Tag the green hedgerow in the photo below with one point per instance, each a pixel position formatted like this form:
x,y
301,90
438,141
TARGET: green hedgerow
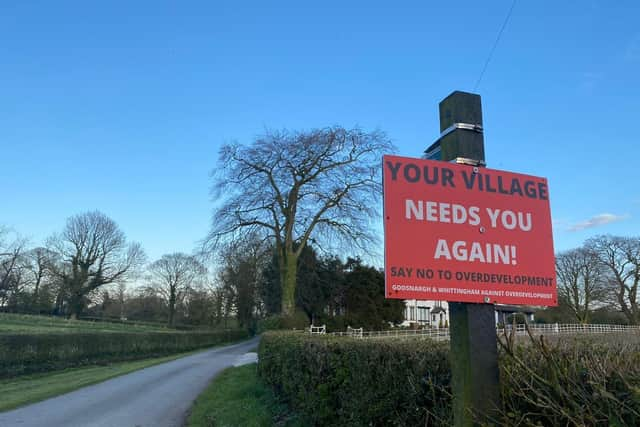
x,y
28,353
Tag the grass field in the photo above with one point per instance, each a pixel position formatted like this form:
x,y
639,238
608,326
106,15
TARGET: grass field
x,y
237,397
24,323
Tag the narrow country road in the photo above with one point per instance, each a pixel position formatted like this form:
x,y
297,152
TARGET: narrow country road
x,y
159,396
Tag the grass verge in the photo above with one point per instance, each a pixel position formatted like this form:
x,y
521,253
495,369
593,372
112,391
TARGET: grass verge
x,y
237,397
27,389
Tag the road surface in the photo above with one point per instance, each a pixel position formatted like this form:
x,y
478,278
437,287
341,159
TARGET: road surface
x,y
159,396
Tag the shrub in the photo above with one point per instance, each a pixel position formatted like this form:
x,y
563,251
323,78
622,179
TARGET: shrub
x,y
335,323
342,381
585,381
28,353
296,321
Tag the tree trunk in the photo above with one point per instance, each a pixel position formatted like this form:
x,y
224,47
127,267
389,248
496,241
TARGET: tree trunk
x,y
288,279
35,307
76,305
172,311
59,304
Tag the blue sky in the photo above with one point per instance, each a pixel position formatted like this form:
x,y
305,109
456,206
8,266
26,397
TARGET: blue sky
x,y
122,106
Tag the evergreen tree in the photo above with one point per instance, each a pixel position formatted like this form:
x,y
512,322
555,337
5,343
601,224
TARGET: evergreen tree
x,y
366,305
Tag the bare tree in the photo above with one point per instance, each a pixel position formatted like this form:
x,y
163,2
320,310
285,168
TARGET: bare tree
x,y
296,186
219,305
12,274
581,282
620,256
39,262
241,266
93,252
172,276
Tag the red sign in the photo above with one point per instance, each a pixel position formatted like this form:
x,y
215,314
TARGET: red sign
x,y
458,233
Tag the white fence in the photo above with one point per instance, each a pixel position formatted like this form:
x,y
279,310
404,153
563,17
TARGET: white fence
x,y
536,329
570,329
355,332
318,330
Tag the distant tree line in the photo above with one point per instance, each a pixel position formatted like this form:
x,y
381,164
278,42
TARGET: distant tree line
x,y
85,271
598,282
90,270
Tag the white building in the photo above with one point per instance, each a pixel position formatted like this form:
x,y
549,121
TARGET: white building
x,y
426,313
435,314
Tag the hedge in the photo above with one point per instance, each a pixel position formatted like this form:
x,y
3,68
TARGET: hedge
x,y
406,382
342,381
579,381
29,353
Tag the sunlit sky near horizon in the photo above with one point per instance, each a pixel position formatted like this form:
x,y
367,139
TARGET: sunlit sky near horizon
x,y
122,106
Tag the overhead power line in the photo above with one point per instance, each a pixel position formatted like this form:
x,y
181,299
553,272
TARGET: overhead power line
x,y
495,44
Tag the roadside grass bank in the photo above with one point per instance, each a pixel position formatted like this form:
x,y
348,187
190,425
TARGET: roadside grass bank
x,y
237,397
337,381
28,389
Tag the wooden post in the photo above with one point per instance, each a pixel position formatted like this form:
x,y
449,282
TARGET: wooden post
x,y
474,352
